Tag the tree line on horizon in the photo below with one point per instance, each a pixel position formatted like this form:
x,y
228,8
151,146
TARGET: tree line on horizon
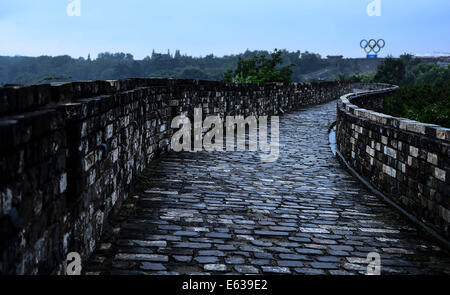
x,y
110,66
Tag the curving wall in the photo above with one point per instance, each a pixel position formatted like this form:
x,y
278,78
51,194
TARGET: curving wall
x,y
407,160
69,153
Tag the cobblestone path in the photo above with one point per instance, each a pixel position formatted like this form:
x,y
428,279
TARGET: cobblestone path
x,y
230,213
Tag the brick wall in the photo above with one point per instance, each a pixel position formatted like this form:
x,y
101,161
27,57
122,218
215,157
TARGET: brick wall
x,y
69,153
407,160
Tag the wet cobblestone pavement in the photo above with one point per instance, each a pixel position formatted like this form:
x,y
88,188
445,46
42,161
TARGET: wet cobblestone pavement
x,y
229,213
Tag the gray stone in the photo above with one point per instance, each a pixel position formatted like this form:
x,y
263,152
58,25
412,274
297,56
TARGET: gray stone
x,y
152,266
179,258
290,263
192,245
323,265
246,269
206,259
215,267
275,269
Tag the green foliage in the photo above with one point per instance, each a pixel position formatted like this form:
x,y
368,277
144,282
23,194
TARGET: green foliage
x,y
310,62
194,73
260,69
358,77
424,93
26,70
391,71
54,79
428,73
108,66
421,102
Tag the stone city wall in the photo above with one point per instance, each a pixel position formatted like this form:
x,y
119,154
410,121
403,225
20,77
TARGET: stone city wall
x,y
407,160
69,153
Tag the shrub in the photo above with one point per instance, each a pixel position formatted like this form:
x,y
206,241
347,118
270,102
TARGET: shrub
x,y
423,102
260,69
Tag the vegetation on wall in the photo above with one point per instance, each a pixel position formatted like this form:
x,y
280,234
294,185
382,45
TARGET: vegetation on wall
x,y
422,102
424,93
260,69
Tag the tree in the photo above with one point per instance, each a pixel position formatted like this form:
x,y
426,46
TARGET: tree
x,y
309,62
422,102
260,69
391,71
121,70
193,73
428,73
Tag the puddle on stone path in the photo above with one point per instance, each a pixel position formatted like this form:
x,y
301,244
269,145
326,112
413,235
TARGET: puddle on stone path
x,y
332,139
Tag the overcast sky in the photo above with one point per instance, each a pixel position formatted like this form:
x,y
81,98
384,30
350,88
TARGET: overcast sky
x,y
221,27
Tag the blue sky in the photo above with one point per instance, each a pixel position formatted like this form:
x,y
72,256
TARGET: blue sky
x,y
201,27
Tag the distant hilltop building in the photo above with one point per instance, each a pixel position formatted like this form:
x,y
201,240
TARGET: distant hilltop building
x,y
334,65
358,65
444,63
440,60
334,59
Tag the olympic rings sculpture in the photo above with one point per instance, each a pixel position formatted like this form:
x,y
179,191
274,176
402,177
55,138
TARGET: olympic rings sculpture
x,y
372,45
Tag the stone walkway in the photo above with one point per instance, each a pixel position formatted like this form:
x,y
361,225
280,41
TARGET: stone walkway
x,y
220,213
